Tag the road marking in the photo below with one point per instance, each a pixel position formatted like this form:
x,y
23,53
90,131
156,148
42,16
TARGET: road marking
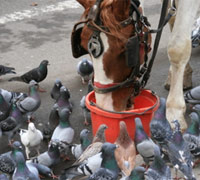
x,y
29,13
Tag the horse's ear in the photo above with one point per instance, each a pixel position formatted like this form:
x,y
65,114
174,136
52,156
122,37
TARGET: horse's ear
x,y
121,8
84,3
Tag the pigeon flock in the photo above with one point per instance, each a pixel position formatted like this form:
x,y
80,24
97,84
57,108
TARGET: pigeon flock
x,y
92,158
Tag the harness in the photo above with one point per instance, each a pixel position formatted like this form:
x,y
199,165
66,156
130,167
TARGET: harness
x,y
140,73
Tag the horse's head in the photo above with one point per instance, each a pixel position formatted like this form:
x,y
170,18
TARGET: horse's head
x,y
113,33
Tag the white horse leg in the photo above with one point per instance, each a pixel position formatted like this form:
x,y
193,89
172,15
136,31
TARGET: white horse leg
x,y
187,78
179,51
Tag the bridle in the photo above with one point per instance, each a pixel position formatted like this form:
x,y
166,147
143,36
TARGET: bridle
x,y
95,45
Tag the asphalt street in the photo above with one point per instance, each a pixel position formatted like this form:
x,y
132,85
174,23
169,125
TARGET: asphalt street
x,y
29,34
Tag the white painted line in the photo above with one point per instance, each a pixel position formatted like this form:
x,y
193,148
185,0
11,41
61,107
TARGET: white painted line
x,y
29,13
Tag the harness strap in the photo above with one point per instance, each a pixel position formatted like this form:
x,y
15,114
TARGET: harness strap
x,y
162,22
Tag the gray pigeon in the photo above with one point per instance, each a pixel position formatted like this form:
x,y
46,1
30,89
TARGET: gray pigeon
x,y
12,123
42,169
77,149
85,69
192,135
159,125
50,157
193,96
64,99
64,132
22,170
4,108
37,74
6,70
144,144
158,169
109,168
63,102
31,103
7,162
10,96
85,168
179,153
136,174
55,91
196,109
196,34
83,105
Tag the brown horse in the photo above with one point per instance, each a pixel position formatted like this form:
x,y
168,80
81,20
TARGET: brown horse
x,y
108,26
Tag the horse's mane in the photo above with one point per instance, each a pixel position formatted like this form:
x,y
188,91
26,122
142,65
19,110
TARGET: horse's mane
x,y
109,19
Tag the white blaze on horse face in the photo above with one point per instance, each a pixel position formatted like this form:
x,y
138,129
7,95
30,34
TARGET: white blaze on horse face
x,y
103,100
99,73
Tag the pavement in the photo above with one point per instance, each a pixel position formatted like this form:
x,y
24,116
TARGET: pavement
x,y
29,34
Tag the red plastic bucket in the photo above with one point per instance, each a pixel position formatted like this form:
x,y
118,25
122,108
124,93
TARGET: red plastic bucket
x,y
145,104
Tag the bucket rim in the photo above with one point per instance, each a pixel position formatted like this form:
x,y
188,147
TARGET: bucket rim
x,y
140,111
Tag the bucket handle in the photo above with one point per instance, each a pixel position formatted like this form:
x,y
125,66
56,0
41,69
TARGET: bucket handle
x,y
134,113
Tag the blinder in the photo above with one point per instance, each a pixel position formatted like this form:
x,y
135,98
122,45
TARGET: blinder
x,y
77,49
133,52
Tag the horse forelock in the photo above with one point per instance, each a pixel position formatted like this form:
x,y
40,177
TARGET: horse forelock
x,y
111,16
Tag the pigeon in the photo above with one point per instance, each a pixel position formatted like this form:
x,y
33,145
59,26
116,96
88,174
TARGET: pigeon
x,y
55,91
85,168
136,174
47,132
159,125
64,132
12,123
31,138
85,110
109,167
6,70
62,102
95,146
7,162
53,118
3,177
196,109
22,170
10,96
125,154
37,74
144,144
179,153
158,169
50,157
4,108
31,103
85,69
193,96
77,149
196,34
192,135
